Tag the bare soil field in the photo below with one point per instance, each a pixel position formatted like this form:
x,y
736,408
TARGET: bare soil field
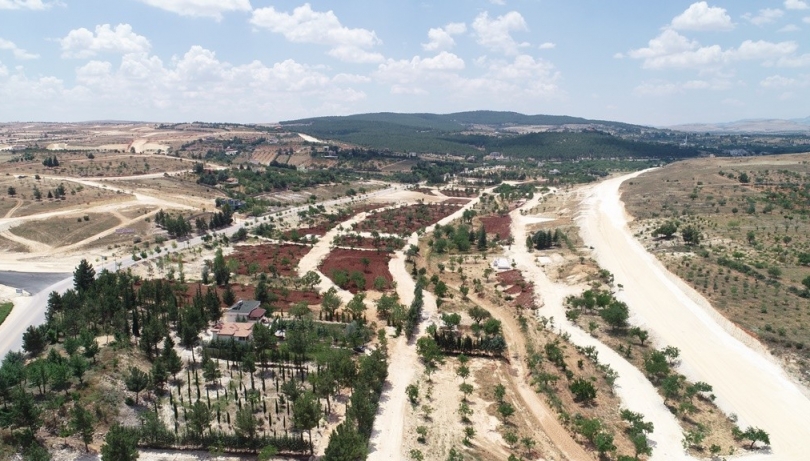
x,y
259,258
519,291
24,203
406,220
497,225
352,261
458,192
102,165
386,243
750,261
65,231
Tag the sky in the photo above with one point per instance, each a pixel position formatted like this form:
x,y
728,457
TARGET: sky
x,y
257,61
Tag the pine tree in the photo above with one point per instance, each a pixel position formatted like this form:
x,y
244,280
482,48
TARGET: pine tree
x,y
83,276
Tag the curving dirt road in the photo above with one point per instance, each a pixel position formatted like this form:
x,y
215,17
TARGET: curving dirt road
x,y
746,380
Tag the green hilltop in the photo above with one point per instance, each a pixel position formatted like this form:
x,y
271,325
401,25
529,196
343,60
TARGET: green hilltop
x,y
478,133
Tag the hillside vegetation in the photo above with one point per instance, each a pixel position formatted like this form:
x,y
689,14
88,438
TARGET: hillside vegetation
x,y
478,133
734,229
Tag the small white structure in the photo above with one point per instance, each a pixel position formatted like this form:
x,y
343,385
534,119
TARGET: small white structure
x,y
501,264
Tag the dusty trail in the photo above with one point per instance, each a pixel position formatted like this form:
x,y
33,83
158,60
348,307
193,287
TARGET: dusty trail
x,y
389,424
746,380
16,207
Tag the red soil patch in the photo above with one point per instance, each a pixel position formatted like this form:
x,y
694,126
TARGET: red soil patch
x,y
241,291
468,192
330,221
457,201
525,299
369,243
351,261
521,291
295,234
509,277
406,220
283,257
498,225
424,190
293,297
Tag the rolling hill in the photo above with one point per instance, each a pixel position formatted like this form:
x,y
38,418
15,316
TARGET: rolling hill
x,y
481,132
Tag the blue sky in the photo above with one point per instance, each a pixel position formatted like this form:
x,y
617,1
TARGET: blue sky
x,y
652,63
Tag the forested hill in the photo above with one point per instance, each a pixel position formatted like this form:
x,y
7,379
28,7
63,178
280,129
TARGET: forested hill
x,y
481,132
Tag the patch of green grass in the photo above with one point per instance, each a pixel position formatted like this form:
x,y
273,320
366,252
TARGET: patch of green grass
x,y
5,309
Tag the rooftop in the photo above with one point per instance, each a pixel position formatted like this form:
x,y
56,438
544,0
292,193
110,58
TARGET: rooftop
x,y
237,330
244,307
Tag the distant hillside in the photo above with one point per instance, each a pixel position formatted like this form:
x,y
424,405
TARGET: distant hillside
x,y
482,132
761,126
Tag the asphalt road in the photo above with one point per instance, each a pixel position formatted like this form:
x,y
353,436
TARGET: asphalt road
x,y
32,282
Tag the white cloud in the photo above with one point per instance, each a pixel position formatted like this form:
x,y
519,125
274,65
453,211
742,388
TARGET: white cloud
x,y
547,46
3,70
794,61
700,16
441,38
18,52
498,2
764,16
806,19
192,84
496,34
796,5
666,88
82,43
515,83
405,71
789,28
25,5
762,50
348,53
672,50
304,25
201,8
777,81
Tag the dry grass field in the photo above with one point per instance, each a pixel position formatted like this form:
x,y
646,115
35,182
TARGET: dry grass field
x,y
25,203
57,232
754,251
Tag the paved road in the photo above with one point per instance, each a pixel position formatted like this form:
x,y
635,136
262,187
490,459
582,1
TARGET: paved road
x,y
31,311
32,282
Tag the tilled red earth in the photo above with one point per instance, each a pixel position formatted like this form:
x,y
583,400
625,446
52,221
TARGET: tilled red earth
x,y
408,219
352,261
283,257
521,290
498,225
243,291
370,243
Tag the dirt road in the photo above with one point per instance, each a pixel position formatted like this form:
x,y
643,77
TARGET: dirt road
x,y
746,380
632,387
389,424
